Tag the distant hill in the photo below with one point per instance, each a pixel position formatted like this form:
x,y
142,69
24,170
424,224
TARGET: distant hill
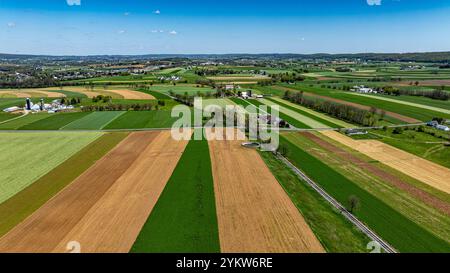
x,y
440,57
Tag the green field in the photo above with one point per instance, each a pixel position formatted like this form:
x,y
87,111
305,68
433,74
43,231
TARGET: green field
x,y
433,105
69,94
335,233
182,89
142,119
399,231
4,116
93,121
406,110
409,205
23,121
156,94
24,203
26,157
5,103
184,218
54,121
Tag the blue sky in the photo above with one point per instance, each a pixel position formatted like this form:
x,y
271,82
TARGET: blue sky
x,y
87,27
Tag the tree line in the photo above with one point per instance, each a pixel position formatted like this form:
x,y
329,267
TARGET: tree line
x,y
340,111
120,107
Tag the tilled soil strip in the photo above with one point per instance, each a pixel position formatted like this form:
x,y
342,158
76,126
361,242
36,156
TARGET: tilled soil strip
x,y
254,212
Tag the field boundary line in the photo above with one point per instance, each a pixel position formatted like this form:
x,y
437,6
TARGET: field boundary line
x,y
355,221
62,128
123,112
8,120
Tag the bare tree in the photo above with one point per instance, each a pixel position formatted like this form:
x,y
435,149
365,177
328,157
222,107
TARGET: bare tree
x,y
353,203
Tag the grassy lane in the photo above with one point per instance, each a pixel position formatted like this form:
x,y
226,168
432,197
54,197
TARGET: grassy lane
x,y
142,119
54,122
93,121
184,218
334,232
399,231
24,203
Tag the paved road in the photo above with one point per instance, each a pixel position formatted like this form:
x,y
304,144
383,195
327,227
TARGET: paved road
x,y
384,245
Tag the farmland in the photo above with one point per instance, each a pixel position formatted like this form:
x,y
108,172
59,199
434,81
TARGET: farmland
x,y
93,121
399,108
246,219
75,201
21,205
26,157
422,144
334,232
144,119
423,170
187,199
106,173
393,226
54,122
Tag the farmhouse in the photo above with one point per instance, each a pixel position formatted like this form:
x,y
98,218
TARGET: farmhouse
x,y
352,132
229,87
438,126
363,89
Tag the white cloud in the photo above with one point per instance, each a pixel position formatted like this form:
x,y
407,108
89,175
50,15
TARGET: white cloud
x,y
11,24
374,2
121,31
126,13
157,11
173,32
73,2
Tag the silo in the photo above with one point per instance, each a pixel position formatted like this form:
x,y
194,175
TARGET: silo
x,y
28,104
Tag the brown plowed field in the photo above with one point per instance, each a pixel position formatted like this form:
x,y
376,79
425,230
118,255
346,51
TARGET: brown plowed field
x,y
32,93
44,229
360,106
423,170
114,222
254,212
385,176
132,95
